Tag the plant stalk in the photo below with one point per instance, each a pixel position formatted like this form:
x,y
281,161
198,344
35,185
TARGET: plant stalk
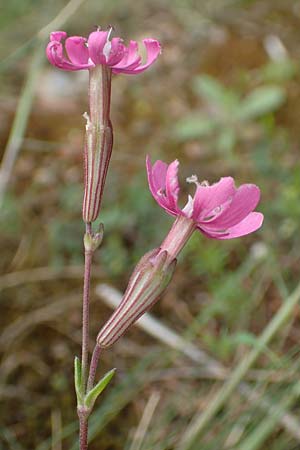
x,y
83,432
93,367
85,314
97,153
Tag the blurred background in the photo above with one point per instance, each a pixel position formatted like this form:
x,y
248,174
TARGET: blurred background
x,y
224,98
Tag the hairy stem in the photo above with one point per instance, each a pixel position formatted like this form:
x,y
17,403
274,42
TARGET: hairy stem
x,y
83,432
93,367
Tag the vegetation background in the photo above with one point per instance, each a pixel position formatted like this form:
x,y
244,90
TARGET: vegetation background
x,y
224,98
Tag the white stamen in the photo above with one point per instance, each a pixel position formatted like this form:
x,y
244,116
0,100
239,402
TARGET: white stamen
x,y
107,46
188,209
193,179
204,183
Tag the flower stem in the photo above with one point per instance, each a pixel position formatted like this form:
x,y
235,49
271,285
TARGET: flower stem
x,y
85,314
93,367
83,432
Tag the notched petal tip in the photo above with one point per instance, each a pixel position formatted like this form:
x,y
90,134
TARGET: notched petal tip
x,y
58,36
154,43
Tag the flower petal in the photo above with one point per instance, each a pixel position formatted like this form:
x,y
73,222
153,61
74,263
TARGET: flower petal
x,y
157,184
250,224
172,185
77,50
243,203
54,52
96,43
156,176
116,53
208,198
153,49
58,35
131,58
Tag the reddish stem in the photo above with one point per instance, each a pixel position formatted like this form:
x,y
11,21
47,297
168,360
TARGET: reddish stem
x,y
83,432
85,314
93,367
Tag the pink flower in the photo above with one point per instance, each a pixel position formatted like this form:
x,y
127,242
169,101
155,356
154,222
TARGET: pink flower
x,y
220,211
98,49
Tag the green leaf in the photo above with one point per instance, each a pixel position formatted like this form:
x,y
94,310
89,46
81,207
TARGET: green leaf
x,y
226,140
77,379
194,127
261,101
100,386
214,92
279,71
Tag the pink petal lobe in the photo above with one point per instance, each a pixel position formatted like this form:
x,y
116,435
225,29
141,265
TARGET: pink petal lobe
x,y
250,224
156,176
172,185
153,49
208,198
96,43
131,58
58,35
157,184
54,52
116,51
243,203
77,50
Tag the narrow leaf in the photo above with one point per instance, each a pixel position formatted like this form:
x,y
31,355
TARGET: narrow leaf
x,y
195,127
214,92
261,101
77,379
279,71
100,386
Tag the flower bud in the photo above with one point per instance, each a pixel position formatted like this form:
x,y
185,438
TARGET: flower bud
x,y
148,281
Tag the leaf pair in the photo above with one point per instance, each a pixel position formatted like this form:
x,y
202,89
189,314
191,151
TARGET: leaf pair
x,y
87,400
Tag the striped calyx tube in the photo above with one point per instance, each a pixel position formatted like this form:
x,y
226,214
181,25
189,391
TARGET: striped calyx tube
x,y
98,141
148,281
